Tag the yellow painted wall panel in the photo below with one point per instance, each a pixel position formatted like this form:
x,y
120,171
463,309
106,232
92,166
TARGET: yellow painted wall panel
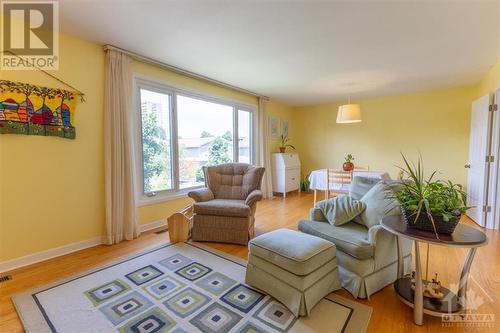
x,y
283,112
158,73
52,189
161,211
436,124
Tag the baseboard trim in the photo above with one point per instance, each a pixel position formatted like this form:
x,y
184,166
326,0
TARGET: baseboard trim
x,y
34,258
153,225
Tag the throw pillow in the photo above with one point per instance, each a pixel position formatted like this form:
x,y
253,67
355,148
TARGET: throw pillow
x,y
380,201
361,185
395,184
341,209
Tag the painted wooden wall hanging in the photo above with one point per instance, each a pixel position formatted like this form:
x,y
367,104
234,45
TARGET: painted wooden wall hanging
x,y
33,110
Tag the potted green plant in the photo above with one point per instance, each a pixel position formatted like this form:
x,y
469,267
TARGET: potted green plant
x,y
429,204
284,143
348,165
305,183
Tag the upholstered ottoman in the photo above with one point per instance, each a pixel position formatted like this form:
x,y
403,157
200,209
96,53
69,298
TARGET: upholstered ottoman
x,y
295,268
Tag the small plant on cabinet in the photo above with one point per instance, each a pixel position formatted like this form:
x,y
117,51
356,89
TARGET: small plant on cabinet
x,y
285,143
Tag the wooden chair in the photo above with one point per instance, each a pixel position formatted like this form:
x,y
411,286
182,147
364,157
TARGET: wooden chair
x,y
337,178
361,168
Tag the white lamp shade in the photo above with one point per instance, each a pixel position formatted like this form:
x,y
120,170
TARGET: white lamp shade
x,y
349,113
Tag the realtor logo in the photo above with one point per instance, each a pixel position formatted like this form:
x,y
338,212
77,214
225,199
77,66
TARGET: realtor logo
x,y
30,35
475,298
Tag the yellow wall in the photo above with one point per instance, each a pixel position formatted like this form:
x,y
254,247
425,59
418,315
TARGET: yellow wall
x,y
283,112
52,189
435,123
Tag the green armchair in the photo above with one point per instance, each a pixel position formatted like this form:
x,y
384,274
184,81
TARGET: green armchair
x,y
367,257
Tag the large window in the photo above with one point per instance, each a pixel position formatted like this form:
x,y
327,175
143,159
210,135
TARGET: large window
x,y
205,137
156,141
244,136
182,131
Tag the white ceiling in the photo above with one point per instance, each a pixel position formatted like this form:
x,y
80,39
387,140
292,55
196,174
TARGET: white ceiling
x,y
305,51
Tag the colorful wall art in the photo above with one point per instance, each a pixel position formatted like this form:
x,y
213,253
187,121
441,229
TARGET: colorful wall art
x,y
34,110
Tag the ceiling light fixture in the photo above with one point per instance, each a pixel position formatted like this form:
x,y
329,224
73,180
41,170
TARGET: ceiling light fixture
x,y
349,113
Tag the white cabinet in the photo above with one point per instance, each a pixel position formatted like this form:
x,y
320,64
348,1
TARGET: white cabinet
x,y
286,172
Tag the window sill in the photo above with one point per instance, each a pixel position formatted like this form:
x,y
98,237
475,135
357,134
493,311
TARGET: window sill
x,y
148,201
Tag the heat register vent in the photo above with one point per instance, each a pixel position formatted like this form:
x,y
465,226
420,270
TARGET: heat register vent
x,y
5,278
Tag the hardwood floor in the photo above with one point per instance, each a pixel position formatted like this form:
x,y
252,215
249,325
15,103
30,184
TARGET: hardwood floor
x,y
389,314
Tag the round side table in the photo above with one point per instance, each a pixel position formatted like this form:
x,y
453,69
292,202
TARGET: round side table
x,y
463,236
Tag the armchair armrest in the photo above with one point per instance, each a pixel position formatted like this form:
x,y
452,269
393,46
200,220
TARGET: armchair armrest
x,y
315,214
385,243
386,250
253,197
202,194
374,232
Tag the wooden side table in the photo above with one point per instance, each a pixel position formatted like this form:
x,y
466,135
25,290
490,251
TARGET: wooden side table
x,y
464,237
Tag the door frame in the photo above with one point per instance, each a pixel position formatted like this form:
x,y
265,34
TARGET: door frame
x,y
493,217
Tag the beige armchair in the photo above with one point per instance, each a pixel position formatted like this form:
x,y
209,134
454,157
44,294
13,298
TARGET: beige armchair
x,y
224,210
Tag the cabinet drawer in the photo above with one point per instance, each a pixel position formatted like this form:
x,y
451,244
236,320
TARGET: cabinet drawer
x,y
292,179
291,160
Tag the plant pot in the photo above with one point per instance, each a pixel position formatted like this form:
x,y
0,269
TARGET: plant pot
x,y
282,150
348,166
424,222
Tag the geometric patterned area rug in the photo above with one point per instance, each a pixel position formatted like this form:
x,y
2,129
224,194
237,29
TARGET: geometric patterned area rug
x,y
182,287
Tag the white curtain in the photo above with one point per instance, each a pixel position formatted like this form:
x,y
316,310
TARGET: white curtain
x,y
264,159
120,202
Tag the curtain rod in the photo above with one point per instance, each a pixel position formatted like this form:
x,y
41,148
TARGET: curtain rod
x,y
178,70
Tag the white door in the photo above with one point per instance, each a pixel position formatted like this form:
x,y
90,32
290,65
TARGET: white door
x,y
477,166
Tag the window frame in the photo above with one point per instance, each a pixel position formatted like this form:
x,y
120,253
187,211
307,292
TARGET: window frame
x,y
144,82
236,139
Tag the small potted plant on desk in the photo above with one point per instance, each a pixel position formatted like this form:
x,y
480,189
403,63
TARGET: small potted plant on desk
x,y
348,165
428,204
284,143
